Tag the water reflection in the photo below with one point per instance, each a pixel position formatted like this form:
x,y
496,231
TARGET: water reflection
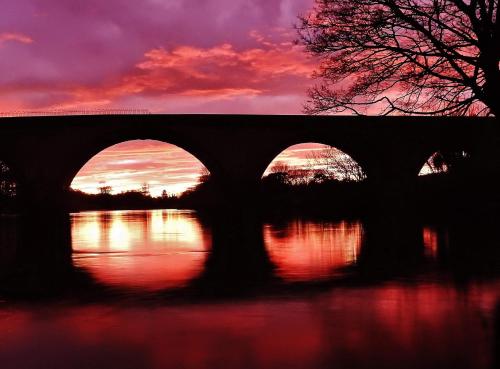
x,y
431,242
308,250
436,303
140,249
390,326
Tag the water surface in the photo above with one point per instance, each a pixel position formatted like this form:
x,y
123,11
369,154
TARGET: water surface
x,y
336,294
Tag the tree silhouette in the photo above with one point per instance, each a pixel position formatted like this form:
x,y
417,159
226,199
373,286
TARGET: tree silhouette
x,y
204,176
7,182
105,190
447,161
330,163
404,56
144,190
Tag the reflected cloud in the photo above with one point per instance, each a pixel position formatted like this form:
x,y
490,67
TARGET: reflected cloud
x,y
430,237
305,250
140,249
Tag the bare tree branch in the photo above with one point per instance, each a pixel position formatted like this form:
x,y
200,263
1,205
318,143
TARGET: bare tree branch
x,y
404,56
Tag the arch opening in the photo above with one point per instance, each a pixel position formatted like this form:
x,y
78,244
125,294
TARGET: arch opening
x,y
135,170
445,162
314,178
451,181
308,163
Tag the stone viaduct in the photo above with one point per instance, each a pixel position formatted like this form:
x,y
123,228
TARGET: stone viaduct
x,y
45,153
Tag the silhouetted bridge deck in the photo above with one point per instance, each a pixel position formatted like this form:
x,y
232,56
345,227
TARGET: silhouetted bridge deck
x,y
45,153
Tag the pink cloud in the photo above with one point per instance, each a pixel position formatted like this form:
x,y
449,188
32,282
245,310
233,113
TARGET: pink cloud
x,y
97,44
270,59
219,72
15,37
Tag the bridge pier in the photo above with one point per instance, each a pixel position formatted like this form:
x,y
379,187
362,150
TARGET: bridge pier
x,y
41,196
238,262
44,219
237,195
392,175
394,196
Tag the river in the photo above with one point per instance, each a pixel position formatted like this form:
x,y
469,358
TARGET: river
x,y
167,289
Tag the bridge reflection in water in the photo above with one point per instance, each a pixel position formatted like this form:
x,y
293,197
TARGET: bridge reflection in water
x,y
312,250
149,250
167,289
158,250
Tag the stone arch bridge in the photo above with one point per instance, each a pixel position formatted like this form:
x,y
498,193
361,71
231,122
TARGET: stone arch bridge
x,y
45,153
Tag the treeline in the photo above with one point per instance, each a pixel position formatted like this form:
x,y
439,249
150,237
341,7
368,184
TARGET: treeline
x,y
78,200
288,193
278,192
197,197
313,192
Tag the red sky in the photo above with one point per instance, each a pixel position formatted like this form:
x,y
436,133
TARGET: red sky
x,y
167,56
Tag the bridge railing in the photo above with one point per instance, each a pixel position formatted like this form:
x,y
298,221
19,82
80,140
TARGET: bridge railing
x,y
63,112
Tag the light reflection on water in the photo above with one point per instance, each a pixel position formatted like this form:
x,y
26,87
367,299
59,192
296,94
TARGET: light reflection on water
x,y
307,250
151,249
157,249
391,326
431,241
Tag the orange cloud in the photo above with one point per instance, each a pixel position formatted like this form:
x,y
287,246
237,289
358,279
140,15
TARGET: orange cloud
x,y
218,72
269,61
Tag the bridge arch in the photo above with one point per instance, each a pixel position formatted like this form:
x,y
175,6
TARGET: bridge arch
x,y
49,151
316,154
84,152
140,161
435,154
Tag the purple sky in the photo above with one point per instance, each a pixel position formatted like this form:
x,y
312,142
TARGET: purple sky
x,y
217,56
167,56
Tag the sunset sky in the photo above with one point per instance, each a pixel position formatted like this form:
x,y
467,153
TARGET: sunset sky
x,y
166,56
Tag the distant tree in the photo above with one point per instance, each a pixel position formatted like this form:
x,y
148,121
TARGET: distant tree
x,y
299,176
105,190
279,173
332,164
279,167
145,189
164,194
405,56
204,175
